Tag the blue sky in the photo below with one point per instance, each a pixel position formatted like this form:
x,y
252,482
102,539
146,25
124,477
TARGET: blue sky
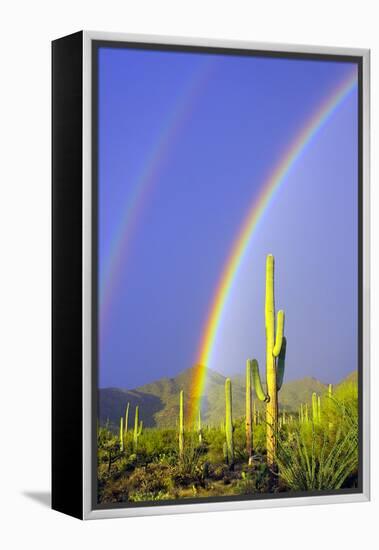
x,y
234,116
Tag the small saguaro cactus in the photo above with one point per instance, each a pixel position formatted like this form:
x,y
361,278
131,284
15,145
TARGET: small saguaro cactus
x,y
319,409
121,434
229,422
126,419
314,408
275,364
301,414
199,432
306,413
181,425
136,432
330,396
248,418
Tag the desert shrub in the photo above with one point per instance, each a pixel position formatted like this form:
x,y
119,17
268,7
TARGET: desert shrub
x,y
215,440
313,458
254,480
146,497
113,491
155,442
153,479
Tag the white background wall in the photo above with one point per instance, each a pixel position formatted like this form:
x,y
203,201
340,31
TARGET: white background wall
x,y
27,27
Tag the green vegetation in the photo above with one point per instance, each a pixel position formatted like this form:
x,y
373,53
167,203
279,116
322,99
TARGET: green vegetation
x,y
312,454
308,441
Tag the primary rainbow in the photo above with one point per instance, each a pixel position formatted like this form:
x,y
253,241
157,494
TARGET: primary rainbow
x,y
240,246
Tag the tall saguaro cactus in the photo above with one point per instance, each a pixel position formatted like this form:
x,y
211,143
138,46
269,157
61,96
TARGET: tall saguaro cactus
x,y
275,363
248,419
181,424
229,422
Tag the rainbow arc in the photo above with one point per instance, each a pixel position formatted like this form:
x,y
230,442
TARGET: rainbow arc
x,y
246,232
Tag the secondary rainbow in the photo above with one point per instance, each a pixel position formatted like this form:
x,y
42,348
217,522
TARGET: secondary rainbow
x,y
245,234
142,187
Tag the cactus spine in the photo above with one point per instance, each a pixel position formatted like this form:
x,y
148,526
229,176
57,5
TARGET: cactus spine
x,y
248,421
181,425
229,422
136,433
121,434
275,364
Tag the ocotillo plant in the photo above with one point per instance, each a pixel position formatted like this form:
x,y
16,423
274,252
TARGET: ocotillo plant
x,y
229,422
181,425
248,418
136,432
121,434
275,364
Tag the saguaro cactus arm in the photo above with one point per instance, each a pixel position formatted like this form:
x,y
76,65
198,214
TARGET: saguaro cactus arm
x,y
281,364
279,333
262,396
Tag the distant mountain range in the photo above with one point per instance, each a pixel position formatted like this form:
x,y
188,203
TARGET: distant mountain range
x,y
159,401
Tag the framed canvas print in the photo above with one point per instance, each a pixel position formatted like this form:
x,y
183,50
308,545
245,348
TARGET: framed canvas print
x,y
210,275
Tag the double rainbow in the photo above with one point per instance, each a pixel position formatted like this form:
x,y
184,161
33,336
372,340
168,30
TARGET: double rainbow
x,y
245,234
